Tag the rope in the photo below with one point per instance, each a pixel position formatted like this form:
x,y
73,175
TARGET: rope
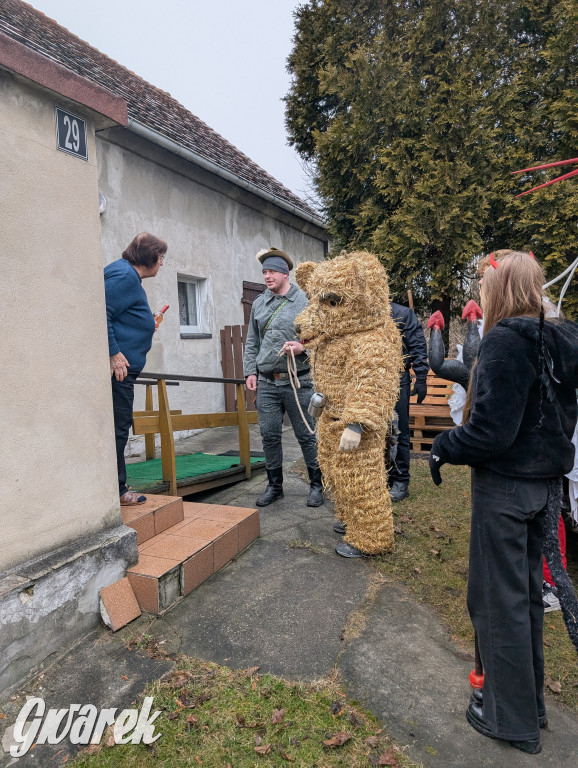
x,y
295,384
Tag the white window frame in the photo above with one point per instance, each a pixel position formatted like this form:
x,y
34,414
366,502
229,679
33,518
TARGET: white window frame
x,y
200,283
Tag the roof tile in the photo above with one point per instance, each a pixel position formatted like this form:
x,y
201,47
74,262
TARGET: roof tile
x,y
146,104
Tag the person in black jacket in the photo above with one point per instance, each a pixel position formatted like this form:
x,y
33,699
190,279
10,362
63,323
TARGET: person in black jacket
x,y
518,441
415,355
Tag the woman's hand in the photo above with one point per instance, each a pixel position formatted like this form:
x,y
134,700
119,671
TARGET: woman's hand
x,y
118,366
292,345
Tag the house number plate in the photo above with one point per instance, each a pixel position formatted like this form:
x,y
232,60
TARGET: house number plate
x,y
71,134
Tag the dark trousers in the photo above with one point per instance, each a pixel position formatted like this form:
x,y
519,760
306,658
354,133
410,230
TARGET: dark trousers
x,y
122,403
505,599
272,403
399,471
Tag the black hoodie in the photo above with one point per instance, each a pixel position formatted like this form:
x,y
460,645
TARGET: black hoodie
x,y
515,429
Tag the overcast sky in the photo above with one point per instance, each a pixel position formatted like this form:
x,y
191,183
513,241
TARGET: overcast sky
x,y
224,60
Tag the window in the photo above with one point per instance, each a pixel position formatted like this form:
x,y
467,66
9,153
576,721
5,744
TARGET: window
x,y
191,290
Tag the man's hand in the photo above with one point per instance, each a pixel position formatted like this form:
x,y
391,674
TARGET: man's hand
x,y
419,389
118,366
349,440
435,463
251,382
292,345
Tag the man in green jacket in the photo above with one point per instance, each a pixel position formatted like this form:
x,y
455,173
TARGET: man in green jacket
x,y
271,332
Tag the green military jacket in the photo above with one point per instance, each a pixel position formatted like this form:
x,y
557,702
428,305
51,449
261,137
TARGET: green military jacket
x,y
262,347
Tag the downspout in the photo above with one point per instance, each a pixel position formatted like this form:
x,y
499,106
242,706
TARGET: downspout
x,y
193,157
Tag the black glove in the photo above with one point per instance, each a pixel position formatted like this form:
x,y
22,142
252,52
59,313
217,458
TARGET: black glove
x,y
419,389
435,463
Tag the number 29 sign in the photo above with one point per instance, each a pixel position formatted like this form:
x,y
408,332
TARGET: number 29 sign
x,y
71,134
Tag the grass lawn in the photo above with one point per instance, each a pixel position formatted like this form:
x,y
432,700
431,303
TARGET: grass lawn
x,y
431,557
216,717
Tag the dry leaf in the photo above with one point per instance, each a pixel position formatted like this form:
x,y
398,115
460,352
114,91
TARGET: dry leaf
x,y
123,677
110,742
338,739
240,721
251,671
553,685
192,720
264,750
388,758
173,715
2,717
435,552
278,715
398,529
285,756
254,685
417,570
94,749
372,742
179,678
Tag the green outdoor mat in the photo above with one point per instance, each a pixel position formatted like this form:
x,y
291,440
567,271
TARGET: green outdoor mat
x,y
148,474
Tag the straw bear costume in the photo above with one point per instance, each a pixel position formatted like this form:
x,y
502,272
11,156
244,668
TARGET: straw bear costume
x,y
356,359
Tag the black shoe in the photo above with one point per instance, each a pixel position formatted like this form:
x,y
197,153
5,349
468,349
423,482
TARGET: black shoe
x,y
399,490
476,719
346,550
478,699
339,527
315,498
274,489
532,747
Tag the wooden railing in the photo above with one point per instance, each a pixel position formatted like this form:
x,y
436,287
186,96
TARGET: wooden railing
x,y
167,422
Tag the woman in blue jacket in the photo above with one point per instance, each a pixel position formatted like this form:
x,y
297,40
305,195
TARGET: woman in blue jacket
x,y
130,331
518,441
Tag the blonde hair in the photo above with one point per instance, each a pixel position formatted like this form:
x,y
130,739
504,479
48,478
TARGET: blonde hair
x,y
512,289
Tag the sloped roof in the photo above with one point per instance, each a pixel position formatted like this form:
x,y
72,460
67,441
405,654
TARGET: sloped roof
x,y
146,104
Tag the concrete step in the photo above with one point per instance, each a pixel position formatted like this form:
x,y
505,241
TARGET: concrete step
x,y
154,516
176,560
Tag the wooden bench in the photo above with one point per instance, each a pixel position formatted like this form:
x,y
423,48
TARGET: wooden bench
x,y
432,416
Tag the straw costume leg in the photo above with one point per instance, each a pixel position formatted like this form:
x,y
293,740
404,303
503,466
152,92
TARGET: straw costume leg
x,y
359,484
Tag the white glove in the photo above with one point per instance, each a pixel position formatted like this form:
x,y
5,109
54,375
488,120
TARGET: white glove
x,y
349,440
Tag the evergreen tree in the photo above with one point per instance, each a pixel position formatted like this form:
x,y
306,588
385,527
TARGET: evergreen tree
x,y
417,111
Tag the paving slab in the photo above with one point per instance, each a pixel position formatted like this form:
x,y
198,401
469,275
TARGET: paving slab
x,y
278,608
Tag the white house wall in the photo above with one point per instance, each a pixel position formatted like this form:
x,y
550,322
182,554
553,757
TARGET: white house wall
x,y
209,235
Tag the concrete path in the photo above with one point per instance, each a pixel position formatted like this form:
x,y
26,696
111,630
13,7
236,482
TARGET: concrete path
x,y
292,607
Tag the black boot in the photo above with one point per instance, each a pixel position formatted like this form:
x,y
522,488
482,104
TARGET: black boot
x,y
315,498
274,489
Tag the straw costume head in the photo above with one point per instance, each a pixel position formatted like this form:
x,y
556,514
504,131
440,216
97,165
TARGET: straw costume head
x,y
356,361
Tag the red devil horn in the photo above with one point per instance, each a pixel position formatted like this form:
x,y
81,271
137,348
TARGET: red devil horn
x,y
493,261
471,311
436,321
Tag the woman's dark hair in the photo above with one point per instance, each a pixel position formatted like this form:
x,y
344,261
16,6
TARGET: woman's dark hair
x,y
145,250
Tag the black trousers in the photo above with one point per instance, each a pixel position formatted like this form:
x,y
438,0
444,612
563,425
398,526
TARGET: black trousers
x,y
399,471
505,599
122,404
